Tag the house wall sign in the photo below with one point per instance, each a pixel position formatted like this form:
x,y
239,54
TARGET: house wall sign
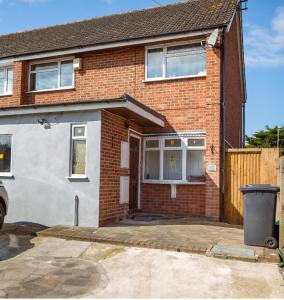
x,y
212,168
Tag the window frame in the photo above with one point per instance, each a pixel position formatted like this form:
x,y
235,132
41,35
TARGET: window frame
x,y
6,68
59,62
76,138
197,148
144,161
8,174
184,147
164,48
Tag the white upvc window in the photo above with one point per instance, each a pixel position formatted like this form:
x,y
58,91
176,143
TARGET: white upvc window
x,y
174,159
78,150
5,154
51,75
175,61
6,80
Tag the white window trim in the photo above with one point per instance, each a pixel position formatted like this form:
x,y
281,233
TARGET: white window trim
x,y
164,47
78,176
59,61
161,148
6,93
8,174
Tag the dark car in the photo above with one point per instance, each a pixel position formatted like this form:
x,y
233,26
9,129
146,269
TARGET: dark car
x,y
3,203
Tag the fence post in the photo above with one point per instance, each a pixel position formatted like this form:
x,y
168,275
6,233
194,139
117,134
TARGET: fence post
x,y
281,227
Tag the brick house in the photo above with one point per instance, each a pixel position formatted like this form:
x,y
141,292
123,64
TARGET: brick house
x,y
123,112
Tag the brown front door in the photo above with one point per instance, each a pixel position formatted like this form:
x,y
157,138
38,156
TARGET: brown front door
x,y
134,172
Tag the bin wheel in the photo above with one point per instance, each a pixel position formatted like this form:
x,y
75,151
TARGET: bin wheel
x,y
271,242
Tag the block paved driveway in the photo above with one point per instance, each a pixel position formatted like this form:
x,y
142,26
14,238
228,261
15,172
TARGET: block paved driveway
x,y
179,234
51,268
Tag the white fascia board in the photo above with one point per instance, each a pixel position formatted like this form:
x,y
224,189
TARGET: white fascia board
x,y
108,46
6,62
5,112
232,18
57,108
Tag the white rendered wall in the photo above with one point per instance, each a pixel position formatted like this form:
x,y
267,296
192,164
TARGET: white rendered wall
x,y
40,190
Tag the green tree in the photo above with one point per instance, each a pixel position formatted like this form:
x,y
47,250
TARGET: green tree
x,y
266,138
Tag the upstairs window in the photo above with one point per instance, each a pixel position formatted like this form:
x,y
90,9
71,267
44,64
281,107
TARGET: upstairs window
x,y
6,80
51,75
174,160
178,61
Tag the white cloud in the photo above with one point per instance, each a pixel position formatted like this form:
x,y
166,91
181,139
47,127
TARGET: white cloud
x,y
265,46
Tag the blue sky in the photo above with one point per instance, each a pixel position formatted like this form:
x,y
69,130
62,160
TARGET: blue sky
x,y
263,36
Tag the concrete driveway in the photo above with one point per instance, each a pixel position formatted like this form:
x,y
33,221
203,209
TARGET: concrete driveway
x,y
56,268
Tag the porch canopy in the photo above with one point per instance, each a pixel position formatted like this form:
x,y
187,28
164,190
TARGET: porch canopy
x,y
124,106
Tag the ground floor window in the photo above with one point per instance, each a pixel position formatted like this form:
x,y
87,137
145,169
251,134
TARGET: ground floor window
x,y
174,159
5,153
78,150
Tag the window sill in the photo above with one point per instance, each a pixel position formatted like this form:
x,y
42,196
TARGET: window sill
x,y
52,90
78,178
6,95
174,78
177,182
6,175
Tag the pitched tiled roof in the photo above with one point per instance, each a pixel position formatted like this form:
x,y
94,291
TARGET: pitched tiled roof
x,y
188,16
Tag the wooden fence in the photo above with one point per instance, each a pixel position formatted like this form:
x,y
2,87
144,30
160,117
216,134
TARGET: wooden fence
x,y
246,166
281,204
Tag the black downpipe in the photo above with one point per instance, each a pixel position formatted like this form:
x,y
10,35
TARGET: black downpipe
x,y
223,153
244,125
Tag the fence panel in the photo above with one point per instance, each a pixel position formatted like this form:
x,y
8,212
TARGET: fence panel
x,y
246,166
281,208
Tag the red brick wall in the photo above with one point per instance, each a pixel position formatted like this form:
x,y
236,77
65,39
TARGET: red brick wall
x,y
19,85
190,200
233,86
187,104
113,132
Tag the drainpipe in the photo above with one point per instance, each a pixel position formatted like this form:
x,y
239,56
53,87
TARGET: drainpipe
x,y
223,142
244,125
76,213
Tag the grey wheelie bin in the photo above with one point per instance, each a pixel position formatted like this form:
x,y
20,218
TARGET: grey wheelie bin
x,y
259,214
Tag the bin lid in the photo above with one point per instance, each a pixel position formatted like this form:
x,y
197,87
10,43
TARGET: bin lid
x,y
260,188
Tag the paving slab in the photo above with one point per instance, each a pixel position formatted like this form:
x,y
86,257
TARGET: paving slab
x,y
58,248
233,253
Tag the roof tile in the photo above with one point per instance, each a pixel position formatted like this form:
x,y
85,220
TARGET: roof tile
x,y
190,15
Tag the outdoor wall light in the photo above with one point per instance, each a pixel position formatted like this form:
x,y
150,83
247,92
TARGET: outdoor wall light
x,y
129,123
45,123
42,121
212,147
